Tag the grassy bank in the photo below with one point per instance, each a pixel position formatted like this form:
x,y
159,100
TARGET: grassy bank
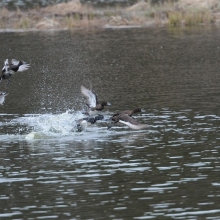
x,y
76,15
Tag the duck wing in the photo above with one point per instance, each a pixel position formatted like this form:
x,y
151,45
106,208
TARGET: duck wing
x,y
19,66
126,118
131,112
23,67
90,95
128,112
6,62
2,97
15,62
130,122
6,65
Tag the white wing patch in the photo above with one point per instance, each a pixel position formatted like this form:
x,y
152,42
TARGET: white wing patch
x,y
2,97
23,67
6,62
5,67
133,126
14,62
127,123
90,96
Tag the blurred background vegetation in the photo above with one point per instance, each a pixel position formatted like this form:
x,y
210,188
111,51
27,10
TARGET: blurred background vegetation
x,y
24,4
57,14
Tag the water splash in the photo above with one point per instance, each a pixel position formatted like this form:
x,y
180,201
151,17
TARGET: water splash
x,y
48,125
55,126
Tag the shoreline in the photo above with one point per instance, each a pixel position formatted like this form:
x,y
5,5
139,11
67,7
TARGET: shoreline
x,y
74,15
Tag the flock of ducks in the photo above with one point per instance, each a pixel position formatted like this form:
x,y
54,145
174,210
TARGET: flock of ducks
x,y
94,106
124,117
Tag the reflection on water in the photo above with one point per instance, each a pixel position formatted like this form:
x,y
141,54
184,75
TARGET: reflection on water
x,y
168,171
25,4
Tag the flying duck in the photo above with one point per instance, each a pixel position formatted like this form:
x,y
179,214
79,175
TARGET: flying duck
x,y
10,68
129,112
2,97
126,120
93,103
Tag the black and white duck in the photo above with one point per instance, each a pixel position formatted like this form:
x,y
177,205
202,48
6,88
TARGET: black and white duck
x,y
10,68
92,103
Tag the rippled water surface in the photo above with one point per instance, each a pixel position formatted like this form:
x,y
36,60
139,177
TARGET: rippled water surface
x,y
170,170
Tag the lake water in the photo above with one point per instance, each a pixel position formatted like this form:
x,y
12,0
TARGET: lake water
x,y
168,171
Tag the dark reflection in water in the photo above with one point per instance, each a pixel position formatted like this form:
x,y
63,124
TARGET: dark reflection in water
x,y
27,4
169,171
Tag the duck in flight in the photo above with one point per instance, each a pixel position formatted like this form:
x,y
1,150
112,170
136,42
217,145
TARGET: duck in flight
x,y
14,66
92,101
126,119
2,97
129,112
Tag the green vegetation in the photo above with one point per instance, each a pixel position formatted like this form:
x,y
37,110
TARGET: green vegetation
x,y
190,18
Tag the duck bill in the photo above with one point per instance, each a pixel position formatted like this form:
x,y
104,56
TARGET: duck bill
x,y
108,103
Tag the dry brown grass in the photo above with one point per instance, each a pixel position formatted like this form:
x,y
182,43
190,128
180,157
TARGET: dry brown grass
x,y
198,4
64,9
191,13
75,15
47,23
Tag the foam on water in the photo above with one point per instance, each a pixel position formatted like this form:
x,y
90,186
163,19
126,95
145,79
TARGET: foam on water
x,y
56,126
